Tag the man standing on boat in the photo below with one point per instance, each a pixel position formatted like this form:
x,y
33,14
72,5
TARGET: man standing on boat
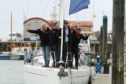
x,y
74,47
43,33
66,39
70,55
53,43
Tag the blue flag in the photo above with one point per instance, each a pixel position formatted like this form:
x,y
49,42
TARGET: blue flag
x,y
77,5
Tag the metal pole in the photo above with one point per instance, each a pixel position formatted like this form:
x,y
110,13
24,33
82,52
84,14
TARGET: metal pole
x,y
61,25
11,44
118,42
101,44
106,66
105,38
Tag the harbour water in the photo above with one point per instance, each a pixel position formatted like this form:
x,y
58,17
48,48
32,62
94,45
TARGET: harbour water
x,y
11,72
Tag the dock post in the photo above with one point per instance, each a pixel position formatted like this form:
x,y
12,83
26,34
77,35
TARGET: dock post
x,y
118,42
105,24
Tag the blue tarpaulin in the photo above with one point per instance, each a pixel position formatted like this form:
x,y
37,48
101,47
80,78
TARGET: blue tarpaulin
x,y
98,65
77,5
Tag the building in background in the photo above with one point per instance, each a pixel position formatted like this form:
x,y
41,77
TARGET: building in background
x,y
33,24
86,26
36,22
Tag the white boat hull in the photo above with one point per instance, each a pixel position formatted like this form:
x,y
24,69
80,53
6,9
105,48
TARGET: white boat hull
x,y
41,75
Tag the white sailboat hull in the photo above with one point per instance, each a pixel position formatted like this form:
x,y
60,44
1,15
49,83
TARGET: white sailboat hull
x,y
41,75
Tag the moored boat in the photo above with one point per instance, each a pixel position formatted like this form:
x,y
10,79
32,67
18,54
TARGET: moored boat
x,y
34,72
44,75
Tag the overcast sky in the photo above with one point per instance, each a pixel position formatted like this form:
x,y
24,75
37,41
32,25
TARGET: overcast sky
x,y
43,8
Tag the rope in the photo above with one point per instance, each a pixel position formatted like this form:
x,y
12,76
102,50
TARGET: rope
x,y
36,48
71,76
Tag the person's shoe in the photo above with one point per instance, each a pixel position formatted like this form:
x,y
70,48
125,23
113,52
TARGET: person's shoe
x,y
72,67
53,65
57,65
45,66
76,68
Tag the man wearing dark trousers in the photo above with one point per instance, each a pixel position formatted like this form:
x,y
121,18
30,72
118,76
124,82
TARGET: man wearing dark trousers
x,y
44,38
66,38
74,47
70,54
53,44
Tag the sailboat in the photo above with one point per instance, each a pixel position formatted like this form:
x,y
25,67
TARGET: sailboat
x,y
9,55
34,73
17,52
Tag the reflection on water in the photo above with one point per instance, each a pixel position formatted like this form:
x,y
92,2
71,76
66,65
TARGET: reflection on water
x,y
11,72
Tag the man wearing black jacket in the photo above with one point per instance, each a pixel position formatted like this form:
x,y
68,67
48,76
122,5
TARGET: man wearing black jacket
x,y
44,38
74,45
66,39
53,43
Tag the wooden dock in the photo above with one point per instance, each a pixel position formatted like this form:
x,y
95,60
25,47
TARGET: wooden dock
x,y
104,79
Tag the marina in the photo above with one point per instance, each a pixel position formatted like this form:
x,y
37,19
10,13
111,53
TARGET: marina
x,y
62,42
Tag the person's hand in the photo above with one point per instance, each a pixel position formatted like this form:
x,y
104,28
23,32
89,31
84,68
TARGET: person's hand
x,y
60,37
42,29
87,35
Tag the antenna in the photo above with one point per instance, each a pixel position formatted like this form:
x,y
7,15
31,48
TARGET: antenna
x,y
27,7
54,15
24,15
93,10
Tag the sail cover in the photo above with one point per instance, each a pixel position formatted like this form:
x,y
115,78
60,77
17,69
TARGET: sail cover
x,y
77,5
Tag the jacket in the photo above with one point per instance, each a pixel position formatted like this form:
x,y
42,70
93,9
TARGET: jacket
x,y
44,36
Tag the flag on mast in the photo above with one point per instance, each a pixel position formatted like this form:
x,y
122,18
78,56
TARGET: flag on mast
x,y
77,5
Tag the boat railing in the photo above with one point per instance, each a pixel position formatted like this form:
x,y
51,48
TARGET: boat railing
x,y
36,58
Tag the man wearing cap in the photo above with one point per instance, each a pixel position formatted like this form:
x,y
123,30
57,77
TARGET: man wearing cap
x,y
66,38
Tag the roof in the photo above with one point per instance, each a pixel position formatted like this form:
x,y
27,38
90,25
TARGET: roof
x,y
82,23
87,32
50,22
36,18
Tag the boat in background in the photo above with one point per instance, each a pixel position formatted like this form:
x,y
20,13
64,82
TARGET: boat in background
x,y
19,50
9,56
16,53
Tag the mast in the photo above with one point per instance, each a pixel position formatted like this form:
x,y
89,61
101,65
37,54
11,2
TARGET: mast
x,y
11,42
61,16
54,15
